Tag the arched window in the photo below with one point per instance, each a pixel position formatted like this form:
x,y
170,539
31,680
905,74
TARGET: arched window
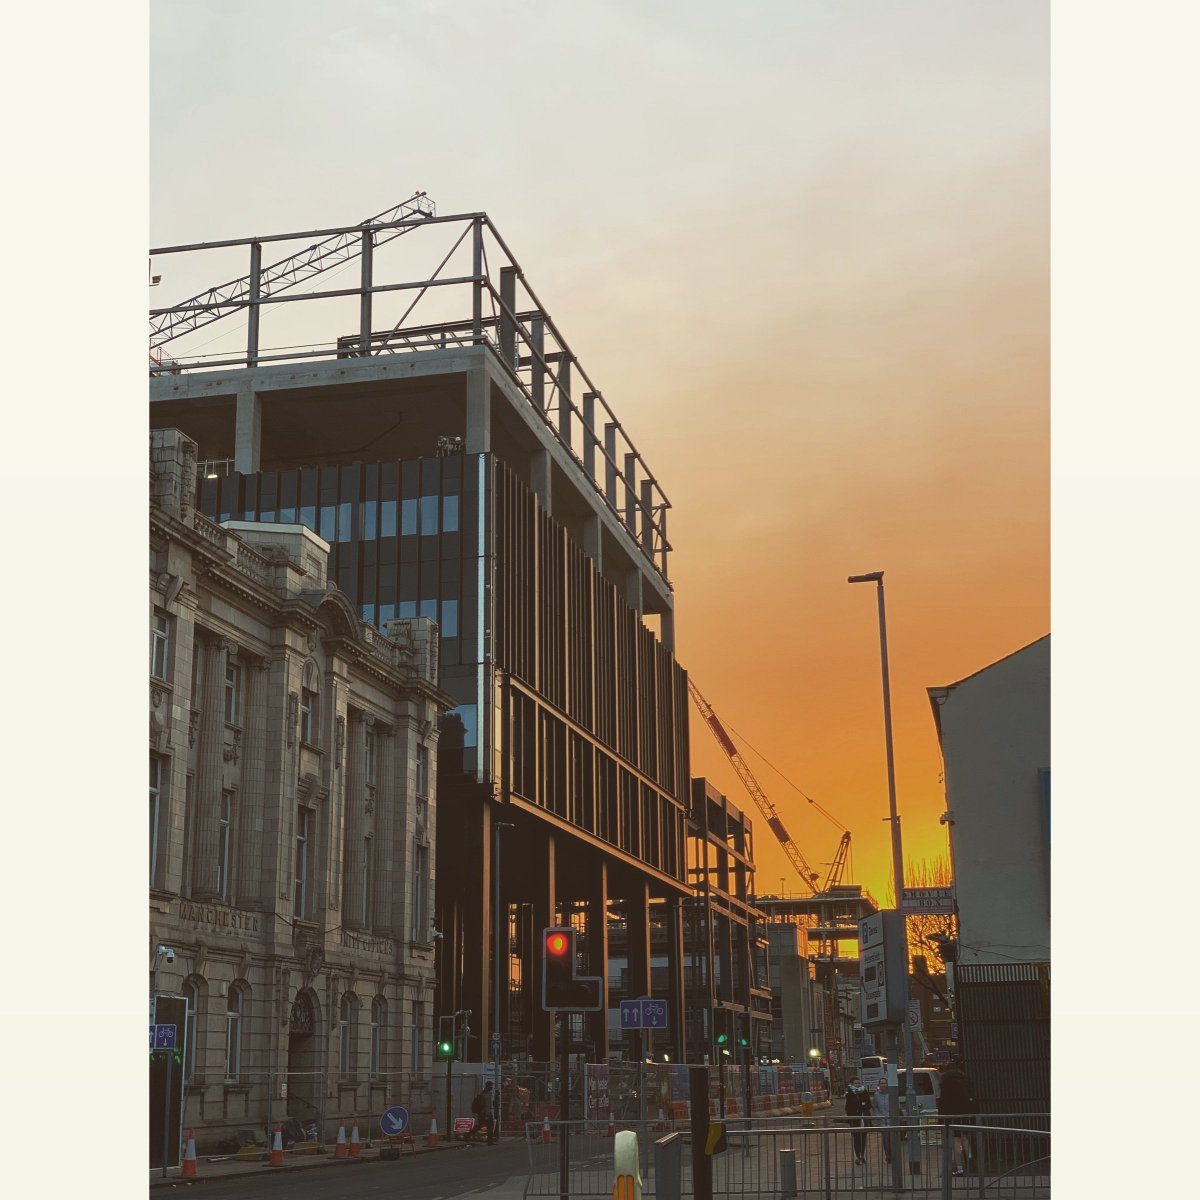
x,y
191,995
309,700
378,1029
235,1012
346,1034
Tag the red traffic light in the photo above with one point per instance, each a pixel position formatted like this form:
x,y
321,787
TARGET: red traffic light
x,y
557,943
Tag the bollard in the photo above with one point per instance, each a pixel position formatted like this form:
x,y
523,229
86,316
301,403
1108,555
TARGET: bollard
x,y
668,1167
627,1184
787,1173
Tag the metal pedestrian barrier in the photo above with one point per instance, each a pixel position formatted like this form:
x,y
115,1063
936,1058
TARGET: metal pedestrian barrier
x,y
999,1157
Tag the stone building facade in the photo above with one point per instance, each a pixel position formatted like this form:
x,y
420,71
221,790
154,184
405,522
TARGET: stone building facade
x,y
293,816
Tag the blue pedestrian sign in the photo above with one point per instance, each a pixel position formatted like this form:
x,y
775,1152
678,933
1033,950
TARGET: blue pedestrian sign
x,y
631,1014
654,1014
394,1121
162,1037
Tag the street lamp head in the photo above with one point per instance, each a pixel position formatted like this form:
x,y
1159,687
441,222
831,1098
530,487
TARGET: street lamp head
x,y
870,577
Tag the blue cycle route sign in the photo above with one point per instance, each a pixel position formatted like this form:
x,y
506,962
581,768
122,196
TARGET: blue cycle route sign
x,y
631,1014
162,1037
394,1121
654,1014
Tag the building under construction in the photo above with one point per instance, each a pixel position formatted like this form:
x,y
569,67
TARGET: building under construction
x,y
432,424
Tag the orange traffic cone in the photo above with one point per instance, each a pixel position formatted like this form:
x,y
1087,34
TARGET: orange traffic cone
x,y
277,1147
545,1129
189,1157
339,1151
431,1138
355,1144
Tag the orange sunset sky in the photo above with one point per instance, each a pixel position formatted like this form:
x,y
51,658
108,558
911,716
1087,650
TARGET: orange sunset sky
x,y
802,248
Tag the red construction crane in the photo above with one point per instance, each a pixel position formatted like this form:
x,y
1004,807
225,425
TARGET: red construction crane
x,y
768,810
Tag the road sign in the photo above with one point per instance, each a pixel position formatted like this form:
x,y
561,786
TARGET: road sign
x,y
927,899
394,1121
654,1014
162,1037
464,1125
914,1015
631,1014
495,1045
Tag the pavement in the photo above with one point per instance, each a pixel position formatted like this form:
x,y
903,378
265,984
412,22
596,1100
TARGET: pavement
x,y
227,1167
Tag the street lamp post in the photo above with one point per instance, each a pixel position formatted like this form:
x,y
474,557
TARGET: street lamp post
x,y
876,577
500,935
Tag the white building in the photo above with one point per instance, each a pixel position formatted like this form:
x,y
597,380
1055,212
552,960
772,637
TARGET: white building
x,y
293,819
994,731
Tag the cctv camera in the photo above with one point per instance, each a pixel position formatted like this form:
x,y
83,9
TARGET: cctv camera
x,y
167,953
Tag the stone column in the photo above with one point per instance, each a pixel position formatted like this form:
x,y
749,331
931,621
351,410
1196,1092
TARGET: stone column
x,y
210,770
352,866
385,824
252,798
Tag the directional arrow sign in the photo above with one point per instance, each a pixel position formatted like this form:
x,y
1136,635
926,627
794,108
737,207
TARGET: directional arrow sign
x,y
162,1037
631,1014
654,1014
394,1121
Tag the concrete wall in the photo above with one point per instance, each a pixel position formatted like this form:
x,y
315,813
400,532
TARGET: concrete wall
x,y
995,735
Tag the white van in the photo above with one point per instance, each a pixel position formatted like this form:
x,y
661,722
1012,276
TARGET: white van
x,y
871,1069
927,1087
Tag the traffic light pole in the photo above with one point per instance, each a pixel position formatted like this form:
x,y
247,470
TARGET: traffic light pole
x,y
564,1109
166,1111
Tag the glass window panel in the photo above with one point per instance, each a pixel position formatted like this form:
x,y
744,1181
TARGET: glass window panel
x,y
429,609
327,530
449,514
267,515
407,608
287,516
343,529
308,516
387,518
429,515
408,517
368,519
449,626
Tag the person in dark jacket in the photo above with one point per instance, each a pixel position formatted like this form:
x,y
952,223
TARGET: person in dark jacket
x,y
858,1105
484,1108
957,1105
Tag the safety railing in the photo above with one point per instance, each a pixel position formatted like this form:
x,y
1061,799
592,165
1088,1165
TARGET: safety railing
x,y
999,1158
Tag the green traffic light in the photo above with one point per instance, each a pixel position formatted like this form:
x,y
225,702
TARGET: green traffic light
x,y
743,1041
445,1047
722,1038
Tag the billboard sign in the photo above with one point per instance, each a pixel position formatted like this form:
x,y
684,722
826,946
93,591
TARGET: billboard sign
x,y
927,899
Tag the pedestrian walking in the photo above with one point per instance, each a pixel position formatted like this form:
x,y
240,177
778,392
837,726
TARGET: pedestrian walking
x,y
858,1106
881,1112
484,1109
958,1106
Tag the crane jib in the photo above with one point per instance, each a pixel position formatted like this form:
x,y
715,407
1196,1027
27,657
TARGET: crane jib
x,y
777,829
722,737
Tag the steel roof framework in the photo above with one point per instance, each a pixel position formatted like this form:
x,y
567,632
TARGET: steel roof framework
x,y
504,314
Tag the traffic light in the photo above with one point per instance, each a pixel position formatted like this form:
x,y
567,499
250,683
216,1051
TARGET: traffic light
x,y
561,987
720,1027
445,1043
